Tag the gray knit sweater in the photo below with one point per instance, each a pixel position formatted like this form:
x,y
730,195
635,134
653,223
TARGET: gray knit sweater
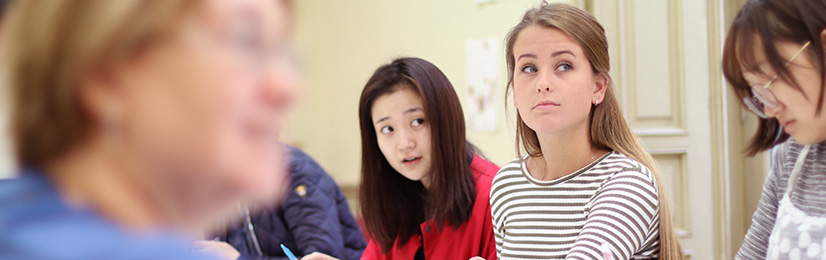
x,y
809,194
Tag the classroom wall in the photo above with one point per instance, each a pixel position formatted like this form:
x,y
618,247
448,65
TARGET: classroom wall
x,y
343,42
6,162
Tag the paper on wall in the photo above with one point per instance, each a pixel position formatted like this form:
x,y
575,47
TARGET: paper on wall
x,y
482,77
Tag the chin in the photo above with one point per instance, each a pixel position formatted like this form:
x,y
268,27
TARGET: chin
x,y
412,176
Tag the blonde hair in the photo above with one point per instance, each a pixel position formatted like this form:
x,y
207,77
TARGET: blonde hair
x,y
608,128
48,47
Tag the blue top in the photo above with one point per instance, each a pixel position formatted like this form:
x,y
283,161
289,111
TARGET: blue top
x,y
36,223
314,217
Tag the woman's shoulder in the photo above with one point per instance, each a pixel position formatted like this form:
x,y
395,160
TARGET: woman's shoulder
x,y
813,171
788,151
620,161
514,165
509,170
34,214
620,167
784,156
482,167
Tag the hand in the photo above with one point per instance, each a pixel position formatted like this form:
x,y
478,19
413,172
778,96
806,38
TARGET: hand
x,y
477,258
318,256
216,248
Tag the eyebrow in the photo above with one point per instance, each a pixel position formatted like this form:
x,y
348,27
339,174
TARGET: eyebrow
x,y
411,110
556,53
526,56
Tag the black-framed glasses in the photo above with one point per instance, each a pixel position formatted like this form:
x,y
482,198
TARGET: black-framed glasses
x,y
762,96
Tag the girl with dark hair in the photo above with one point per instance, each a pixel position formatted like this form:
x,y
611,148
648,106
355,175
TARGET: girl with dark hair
x,y
774,60
424,192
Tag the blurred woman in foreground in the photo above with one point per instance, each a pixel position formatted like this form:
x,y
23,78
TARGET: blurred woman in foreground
x,y
136,120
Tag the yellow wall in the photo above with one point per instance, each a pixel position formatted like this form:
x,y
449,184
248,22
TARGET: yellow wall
x,y
343,42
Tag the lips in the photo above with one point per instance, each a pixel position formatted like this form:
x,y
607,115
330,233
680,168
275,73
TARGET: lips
x,y
546,105
411,160
786,124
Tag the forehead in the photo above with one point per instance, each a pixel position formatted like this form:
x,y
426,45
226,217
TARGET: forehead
x,y
540,40
396,103
271,14
751,54
755,63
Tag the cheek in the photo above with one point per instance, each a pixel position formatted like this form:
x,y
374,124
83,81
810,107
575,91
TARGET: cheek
x,y
424,141
186,119
522,97
799,105
385,146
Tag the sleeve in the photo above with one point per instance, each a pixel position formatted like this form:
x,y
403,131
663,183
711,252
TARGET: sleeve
x,y
496,220
622,214
354,243
488,238
251,257
311,215
756,243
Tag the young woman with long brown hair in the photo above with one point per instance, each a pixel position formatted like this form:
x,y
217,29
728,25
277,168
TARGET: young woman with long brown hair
x,y
586,188
424,192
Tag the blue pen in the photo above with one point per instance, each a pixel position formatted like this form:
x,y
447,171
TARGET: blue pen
x,y
287,252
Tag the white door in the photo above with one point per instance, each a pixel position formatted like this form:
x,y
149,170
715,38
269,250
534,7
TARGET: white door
x,y
660,64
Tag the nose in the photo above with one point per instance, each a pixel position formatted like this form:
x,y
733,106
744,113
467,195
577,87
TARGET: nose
x,y
282,83
406,141
543,83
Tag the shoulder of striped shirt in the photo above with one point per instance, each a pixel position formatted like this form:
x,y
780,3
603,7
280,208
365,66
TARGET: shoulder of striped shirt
x,y
631,166
509,169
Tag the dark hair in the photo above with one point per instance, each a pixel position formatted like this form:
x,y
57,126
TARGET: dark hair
x,y
392,205
796,21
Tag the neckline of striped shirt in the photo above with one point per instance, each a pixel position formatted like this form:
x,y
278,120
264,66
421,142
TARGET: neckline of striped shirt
x,y
524,167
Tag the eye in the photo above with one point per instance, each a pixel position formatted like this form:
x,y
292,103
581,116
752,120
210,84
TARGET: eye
x,y
386,130
244,37
417,122
564,67
529,69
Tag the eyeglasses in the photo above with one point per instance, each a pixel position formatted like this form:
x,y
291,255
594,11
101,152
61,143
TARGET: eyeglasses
x,y
762,96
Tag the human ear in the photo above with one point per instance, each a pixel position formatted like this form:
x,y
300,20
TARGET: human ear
x,y
100,96
514,95
600,86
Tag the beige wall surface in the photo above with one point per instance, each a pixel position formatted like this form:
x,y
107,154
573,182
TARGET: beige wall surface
x,y
6,162
342,42
6,169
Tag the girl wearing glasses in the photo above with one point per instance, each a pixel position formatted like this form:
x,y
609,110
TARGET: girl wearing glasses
x,y
774,61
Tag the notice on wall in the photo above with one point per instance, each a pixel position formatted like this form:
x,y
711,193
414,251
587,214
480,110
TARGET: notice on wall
x,y
482,81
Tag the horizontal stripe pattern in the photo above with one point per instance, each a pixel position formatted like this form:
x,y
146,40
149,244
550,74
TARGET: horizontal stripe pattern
x,y
613,201
809,194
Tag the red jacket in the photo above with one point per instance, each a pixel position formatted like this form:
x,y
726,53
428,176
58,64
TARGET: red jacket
x,y
473,238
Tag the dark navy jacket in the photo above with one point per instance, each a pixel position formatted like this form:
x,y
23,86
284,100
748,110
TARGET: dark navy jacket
x,y
314,217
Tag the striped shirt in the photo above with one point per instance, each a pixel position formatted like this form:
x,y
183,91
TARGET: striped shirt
x,y
608,207
809,194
